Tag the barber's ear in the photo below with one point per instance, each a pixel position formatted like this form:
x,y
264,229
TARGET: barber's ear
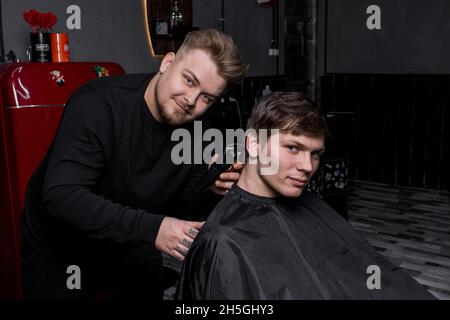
x,y
166,62
251,144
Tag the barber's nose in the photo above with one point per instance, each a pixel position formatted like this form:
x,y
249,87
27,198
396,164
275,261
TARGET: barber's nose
x,y
187,100
191,98
304,162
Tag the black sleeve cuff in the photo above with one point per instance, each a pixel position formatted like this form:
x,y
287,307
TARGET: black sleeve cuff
x,y
149,227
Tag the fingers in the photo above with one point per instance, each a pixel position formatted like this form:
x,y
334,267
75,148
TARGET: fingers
x,y
181,250
176,254
226,185
196,224
219,191
191,233
226,180
229,176
186,242
175,236
238,166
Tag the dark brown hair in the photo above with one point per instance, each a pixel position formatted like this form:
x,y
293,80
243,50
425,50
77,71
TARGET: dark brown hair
x,y
289,112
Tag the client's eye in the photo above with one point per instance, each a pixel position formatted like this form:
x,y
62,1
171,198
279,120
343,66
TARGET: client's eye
x,y
316,155
293,149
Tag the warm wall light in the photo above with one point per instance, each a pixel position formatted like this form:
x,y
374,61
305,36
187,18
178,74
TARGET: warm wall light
x,y
157,14
147,30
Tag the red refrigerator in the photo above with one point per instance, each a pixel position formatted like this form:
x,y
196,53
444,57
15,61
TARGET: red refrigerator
x,y
32,99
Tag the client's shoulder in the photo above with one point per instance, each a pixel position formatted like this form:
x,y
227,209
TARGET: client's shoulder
x,y
215,232
308,198
309,202
213,235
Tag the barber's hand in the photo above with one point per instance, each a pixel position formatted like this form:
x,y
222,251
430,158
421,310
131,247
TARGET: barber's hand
x,y
226,179
175,236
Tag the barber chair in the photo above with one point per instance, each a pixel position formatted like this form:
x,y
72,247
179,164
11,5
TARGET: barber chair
x,y
331,179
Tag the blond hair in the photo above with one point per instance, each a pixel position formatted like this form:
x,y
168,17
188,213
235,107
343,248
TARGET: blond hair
x,y
222,50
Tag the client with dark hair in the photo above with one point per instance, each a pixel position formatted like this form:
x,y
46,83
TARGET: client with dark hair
x,y
269,238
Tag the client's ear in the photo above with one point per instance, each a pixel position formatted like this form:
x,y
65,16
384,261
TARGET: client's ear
x,y
251,145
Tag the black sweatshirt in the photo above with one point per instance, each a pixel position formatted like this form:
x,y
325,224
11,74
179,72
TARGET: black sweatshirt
x,y
108,176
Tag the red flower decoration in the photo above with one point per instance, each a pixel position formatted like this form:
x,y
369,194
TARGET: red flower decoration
x,y
32,18
40,21
47,21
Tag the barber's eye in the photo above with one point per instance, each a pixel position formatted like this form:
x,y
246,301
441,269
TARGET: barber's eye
x,y
189,81
207,99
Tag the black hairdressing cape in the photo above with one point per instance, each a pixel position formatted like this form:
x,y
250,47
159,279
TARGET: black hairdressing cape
x,y
254,247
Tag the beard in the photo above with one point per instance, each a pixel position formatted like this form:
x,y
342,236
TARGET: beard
x,y
174,118
171,116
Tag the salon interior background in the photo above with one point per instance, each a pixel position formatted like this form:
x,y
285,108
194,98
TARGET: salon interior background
x,y
401,133
113,30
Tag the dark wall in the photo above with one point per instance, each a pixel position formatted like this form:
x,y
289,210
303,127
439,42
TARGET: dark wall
x,y
114,30
412,37
250,26
111,30
402,133
299,44
402,127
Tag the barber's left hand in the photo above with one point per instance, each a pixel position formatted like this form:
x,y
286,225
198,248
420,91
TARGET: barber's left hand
x,y
227,179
